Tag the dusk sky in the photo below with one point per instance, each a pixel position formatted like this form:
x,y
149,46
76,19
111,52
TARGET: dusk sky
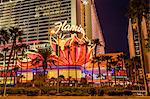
x,y
114,23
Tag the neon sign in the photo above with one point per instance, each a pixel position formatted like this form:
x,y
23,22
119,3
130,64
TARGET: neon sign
x,y
67,27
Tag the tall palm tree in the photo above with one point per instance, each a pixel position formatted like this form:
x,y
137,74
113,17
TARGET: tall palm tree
x,y
76,44
68,51
121,58
13,34
96,43
23,48
61,77
1,56
99,59
93,63
4,36
114,63
128,66
107,58
136,64
19,50
35,61
86,50
45,53
138,9
5,50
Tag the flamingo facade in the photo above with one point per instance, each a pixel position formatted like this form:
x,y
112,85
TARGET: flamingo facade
x,y
53,24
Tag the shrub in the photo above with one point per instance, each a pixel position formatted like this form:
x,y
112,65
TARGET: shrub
x,y
92,91
33,91
101,93
52,92
66,93
127,93
46,90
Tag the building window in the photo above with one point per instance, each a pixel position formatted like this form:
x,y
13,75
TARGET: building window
x,y
5,0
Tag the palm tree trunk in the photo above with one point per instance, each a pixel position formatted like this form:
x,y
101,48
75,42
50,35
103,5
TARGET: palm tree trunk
x,y
134,67
75,68
57,53
4,68
14,42
68,64
123,70
95,50
21,66
27,69
15,69
115,74
85,57
99,73
92,72
107,69
45,67
11,66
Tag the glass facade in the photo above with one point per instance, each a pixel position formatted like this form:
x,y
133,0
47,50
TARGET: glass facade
x,y
35,16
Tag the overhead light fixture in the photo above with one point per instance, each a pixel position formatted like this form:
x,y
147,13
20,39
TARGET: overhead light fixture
x,y
85,2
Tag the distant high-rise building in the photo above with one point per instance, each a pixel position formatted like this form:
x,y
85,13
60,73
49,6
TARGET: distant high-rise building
x,y
35,17
135,45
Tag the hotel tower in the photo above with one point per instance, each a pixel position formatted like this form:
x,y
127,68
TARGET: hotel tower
x,y
36,17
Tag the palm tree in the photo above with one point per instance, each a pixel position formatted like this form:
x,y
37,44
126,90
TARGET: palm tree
x,y
137,10
35,61
18,48
114,63
121,58
107,58
53,80
83,81
129,69
136,64
93,62
98,59
24,47
4,36
69,78
86,49
11,34
45,53
76,44
96,43
68,50
1,56
5,50
57,53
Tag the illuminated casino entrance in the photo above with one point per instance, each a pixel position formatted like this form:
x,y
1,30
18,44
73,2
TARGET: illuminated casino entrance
x,y
68,53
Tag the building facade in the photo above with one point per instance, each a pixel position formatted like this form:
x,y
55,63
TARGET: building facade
x,y
36,17
137,49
